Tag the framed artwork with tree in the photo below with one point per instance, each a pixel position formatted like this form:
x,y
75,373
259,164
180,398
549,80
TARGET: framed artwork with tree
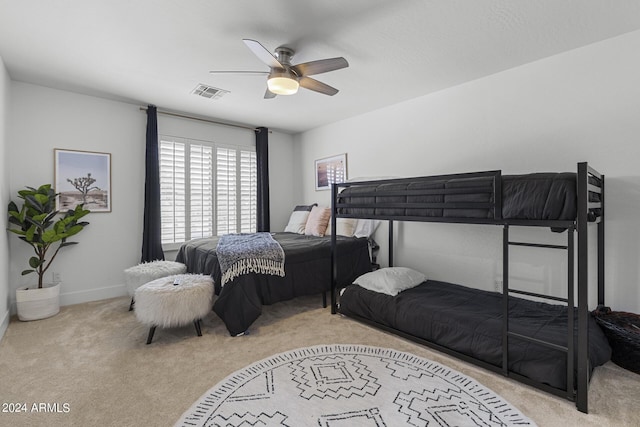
x,y
82,177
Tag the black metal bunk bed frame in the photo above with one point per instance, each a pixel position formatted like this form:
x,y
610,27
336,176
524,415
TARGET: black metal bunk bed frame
x,y
576,375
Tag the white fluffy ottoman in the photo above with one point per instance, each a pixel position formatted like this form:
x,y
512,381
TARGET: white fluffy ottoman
x,y
175,300
140,274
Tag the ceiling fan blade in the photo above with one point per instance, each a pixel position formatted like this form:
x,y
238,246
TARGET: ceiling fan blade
x,y
240,72
269,95
321,66
262,53
315,85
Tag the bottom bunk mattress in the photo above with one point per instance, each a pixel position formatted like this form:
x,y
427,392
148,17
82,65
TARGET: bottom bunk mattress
x,y
469,321
307,268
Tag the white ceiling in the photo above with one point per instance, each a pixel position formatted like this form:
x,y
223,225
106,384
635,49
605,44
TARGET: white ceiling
x,y
157,51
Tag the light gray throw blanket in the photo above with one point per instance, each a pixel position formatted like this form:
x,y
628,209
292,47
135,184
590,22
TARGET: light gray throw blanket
x,y
249,253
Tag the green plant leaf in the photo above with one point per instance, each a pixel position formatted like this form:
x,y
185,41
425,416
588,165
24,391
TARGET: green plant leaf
x,y
51,236
43,199
16,218
40,217
34,205
44,189
74,230
33,221
34,262
12,207
30,233
25,272
24,193
50,217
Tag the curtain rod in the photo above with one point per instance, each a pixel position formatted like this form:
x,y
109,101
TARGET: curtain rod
x,y
184,116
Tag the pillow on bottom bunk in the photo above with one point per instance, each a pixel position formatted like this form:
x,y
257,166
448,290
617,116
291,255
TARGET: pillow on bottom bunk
x,y
344,227
317,221
391,280
298,219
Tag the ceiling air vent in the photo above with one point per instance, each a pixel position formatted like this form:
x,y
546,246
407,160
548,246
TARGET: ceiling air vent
x,y
208,91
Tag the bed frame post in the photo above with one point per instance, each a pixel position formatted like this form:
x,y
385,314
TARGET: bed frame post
x,y
334,245
583,288
570,311
390,243
601,246
505,300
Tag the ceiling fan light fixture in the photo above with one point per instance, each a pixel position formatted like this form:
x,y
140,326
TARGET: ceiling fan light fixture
x,y
282,85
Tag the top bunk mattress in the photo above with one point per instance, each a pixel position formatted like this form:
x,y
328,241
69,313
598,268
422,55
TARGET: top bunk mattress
x,y
536,196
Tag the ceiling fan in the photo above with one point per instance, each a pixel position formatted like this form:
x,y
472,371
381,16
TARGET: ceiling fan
x,y
284,78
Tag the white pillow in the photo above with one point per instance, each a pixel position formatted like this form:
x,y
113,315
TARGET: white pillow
x,y
366,227
391,280
298,219
345,227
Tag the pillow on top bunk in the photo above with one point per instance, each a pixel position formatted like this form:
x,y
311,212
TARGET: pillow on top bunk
x,y
298,219
344,227
391,280
317,221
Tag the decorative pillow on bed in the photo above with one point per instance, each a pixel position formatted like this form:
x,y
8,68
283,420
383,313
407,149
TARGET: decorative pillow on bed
x,y
344,226
391,280
317,221
366,227
298,219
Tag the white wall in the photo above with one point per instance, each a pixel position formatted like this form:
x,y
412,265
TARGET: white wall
x,y
43,119
282,179
4,199
583,105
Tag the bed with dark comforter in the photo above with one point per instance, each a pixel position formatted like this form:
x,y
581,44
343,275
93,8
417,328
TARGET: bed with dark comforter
x,y
469,321
307,272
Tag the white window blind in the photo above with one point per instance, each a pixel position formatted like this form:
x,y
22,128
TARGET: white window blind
x,y
226,191
201,190
173,195
206,189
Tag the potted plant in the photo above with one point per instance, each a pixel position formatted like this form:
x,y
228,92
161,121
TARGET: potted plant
x,y
46,230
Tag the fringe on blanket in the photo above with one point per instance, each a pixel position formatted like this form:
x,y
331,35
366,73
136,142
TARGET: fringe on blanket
x,y
253,265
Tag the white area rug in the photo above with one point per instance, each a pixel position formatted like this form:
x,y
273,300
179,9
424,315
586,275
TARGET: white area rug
x,y
350,385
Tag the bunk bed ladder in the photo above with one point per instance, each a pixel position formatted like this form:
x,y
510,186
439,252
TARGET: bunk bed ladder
x,y
569,349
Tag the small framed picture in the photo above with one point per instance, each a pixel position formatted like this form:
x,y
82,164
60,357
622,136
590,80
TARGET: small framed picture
x,y
331,170
82,177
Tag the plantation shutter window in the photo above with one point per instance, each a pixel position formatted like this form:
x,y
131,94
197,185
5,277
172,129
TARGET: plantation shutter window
x,y
206,189
201,190
226,191
173,191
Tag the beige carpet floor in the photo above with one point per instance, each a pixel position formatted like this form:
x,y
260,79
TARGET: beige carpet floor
x,y
91,360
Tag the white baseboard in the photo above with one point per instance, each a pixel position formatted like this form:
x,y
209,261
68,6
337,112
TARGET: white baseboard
x,y
70,298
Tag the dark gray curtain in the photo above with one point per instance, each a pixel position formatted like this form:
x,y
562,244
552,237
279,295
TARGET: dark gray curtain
x,y
262,159
151,233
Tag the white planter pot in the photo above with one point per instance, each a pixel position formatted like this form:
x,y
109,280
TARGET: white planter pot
x,y
35,303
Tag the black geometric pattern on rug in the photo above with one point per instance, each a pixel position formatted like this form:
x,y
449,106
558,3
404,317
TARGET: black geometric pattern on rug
x,y
350,385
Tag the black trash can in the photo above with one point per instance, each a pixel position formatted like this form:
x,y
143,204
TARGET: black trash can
x,y
622,329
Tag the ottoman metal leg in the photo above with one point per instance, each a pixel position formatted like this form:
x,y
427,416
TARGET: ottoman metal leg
x,y
196,323
152,330
132,304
